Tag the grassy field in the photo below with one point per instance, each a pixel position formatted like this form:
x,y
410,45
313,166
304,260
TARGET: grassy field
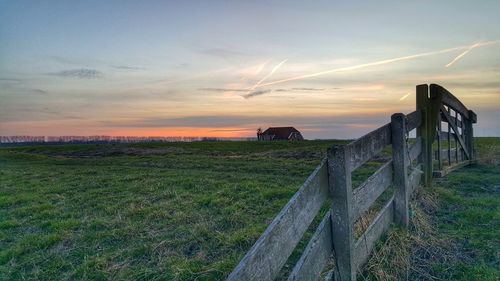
x,y
455,228
175,211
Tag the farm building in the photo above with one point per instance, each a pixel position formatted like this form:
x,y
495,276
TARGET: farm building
x,y
279,133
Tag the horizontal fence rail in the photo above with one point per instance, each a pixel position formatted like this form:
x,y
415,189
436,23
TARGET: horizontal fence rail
x,y
316,254
268,255
411,165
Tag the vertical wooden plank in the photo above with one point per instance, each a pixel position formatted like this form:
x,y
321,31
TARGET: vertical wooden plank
x,y
399,158
425,156
339,178
440,162
435,102
473,120
469,141
449,139
456,140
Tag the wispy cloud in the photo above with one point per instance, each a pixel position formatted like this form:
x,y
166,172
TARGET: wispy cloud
x,y
10,80
224,122
463,54
308,89
39,91
80,73
127,67
255,93
221,90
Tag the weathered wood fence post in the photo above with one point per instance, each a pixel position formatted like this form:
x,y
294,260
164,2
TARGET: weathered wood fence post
x,y
435,102
339,179
423,132
469,134
400,160
429,101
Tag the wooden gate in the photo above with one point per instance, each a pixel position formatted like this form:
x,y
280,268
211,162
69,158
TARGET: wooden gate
x,y
454,134
412,163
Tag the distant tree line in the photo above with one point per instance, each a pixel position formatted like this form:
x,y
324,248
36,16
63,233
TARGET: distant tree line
x,y
106,139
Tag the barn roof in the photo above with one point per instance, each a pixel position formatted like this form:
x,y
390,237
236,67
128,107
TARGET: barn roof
x,y
280,132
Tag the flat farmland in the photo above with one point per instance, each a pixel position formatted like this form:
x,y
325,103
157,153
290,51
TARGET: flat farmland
x,y
154,211
157,211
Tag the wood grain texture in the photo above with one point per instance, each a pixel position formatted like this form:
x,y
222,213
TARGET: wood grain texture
x,y
414,119
316,255
379,226
371,189
455,129
450,100
368,146
415,150
400,167
268,255
339,174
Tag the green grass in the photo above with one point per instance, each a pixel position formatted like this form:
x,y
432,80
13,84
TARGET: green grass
x,y
157,211
177,211
469,215
455,227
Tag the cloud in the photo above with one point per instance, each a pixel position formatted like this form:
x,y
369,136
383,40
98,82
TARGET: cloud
x,y
80,73
308,89
127,67
10,80
262,92
39,91
256,93
221,90
224,122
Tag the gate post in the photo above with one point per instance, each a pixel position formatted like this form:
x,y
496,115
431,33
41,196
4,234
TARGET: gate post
x,y
399,162
339,180
469,134
423,132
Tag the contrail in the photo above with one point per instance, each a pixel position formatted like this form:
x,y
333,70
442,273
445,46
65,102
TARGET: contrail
x,y
463,54
382,62
252,93
404,97
275,68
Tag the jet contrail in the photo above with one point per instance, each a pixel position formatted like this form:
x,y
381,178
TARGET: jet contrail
x,y
252,93
275,68
382,62
404,97
463,54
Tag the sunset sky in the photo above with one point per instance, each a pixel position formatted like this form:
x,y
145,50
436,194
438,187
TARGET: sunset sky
x,y
332,69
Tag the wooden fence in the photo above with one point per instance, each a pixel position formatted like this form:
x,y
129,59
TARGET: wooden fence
x,y
410,166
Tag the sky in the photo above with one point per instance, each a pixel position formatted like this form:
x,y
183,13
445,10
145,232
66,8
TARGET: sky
x,y
332,69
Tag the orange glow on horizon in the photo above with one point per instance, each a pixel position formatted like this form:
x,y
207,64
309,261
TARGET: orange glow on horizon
x,y
225,132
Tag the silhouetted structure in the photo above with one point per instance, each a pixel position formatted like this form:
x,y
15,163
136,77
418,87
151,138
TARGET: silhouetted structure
x,y
279,133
